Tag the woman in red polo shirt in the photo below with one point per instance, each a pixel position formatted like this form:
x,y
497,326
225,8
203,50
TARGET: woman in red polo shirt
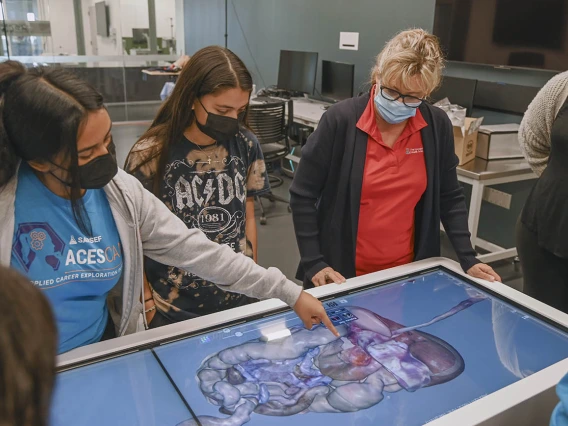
x,y
379,174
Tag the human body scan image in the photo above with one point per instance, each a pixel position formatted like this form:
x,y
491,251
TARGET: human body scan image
x,y
409,352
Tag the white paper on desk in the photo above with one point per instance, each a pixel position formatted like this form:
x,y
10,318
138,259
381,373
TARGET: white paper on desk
x,y
442,102
456,113
474,126
349,41
457,116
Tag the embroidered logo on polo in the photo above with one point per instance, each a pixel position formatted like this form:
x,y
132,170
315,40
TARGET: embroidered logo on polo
x,y
410,151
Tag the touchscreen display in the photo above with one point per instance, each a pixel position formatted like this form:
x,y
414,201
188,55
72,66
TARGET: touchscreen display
x,y
409,352
132,390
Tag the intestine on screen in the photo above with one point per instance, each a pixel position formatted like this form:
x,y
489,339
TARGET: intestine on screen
x,y
312,371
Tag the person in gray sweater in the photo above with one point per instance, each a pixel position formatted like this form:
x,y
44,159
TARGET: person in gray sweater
x,y
542,230
79,228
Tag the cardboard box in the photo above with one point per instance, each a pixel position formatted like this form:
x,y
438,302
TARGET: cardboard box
x,y
465,130
465,139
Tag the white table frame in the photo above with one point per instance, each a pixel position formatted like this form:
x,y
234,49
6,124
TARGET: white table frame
x,y
527,402
478,186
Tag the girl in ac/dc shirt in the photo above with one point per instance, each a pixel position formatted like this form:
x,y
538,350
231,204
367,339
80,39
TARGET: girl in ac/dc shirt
x,y
207,167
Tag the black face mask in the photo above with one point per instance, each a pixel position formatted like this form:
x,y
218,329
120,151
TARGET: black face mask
x,y
219,127
97,173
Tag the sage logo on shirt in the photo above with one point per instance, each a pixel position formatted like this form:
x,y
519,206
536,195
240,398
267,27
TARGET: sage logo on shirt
x,y
85,240
36,245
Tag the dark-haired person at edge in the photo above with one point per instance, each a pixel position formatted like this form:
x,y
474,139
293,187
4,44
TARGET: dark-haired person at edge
x,y
28,345
379,173
202,161
78,227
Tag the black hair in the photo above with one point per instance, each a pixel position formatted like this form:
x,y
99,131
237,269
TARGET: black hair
x,y
28,346
42,111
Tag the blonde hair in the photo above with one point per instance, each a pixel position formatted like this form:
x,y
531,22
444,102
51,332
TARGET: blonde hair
x,y
410,53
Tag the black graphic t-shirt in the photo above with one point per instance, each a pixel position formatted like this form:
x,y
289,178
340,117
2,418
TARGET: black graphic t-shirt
x,y
207,188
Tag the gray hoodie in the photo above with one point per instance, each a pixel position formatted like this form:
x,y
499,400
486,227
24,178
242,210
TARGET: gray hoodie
x,y
147,228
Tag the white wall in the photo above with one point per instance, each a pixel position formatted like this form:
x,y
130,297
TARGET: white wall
x,y
86,27
106,46
165,10
63,37
124,15
62,17
128,14
180,38
134,14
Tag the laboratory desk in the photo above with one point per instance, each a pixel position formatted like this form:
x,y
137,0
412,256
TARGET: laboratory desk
x,y
153,73
482,174
308,111
157,73
419,344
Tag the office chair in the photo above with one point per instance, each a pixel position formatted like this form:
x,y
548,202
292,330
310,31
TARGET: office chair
x,y
268,122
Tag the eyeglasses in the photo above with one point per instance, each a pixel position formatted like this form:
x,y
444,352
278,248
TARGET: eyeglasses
x,y
394,95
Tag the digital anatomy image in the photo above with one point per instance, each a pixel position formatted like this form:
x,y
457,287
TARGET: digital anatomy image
x,y
313,371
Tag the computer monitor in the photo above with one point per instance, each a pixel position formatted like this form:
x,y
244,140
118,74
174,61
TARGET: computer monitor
x,y
458,90
337,80
297,71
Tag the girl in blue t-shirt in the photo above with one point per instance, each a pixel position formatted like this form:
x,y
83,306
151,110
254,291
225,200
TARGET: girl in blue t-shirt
x,y
79,228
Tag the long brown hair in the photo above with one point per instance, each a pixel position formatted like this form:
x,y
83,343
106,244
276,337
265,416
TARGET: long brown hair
x,y
210,70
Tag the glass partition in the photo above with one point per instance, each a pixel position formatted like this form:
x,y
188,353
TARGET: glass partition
x,y
108,43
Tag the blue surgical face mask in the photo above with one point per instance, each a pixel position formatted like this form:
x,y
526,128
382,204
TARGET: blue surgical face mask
x,y
393,112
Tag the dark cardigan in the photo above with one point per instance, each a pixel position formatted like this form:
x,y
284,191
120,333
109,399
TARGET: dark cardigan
x,y
326,192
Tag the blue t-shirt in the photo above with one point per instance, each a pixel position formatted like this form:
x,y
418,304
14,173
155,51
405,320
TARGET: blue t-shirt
x,y
75,271
560,413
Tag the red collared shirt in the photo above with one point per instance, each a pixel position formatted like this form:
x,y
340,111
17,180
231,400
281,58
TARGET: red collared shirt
x,y
393,182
